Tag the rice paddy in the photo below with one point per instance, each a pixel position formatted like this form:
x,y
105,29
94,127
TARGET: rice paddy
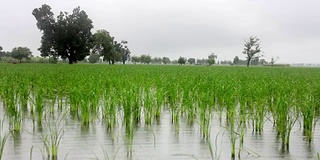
x,y
41,100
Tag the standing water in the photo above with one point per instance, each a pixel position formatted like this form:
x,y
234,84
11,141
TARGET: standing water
x,y
158,141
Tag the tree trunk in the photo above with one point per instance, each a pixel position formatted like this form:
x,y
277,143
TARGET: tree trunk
x,y
248,63
123,62
70,60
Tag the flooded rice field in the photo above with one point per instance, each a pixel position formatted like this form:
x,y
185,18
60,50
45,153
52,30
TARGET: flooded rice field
x,y
161,140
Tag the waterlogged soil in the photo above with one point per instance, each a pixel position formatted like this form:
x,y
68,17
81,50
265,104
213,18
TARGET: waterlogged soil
x,y
159,141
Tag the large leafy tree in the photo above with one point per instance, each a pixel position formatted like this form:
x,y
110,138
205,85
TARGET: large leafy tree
x,y
21,53
146,59
157,60
124,51
103,45
135,59
111,50
94,58
182,60
252,49
165,60
191,60
212,59
236,60
68,36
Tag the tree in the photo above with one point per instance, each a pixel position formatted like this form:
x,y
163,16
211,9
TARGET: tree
x,y
255,61
53,60
236,60
262,61
157,60
182,60
69,36
21,53
212,59
1,53
165,60
135,59
202,61
252,49
124,51
94,58
174,61
191,60
103,45
273,60
146,59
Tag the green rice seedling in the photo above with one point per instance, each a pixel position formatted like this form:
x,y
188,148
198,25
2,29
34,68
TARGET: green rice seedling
x,y
128,111
148,106
230,99
285,117
85,110
52,136
13,111
307,102
160,101
172,98
204,114
39,104
308,111
24,95
189,103
75,100
94,95
137,105
175,113
3,138
109,111
106,155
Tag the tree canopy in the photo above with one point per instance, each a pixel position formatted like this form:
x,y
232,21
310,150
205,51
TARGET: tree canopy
x,y
145,59
182,60
1,52
94,58
21,53
212,59
165,60
68,36
103,45
252,49
191,60
111,50
135,59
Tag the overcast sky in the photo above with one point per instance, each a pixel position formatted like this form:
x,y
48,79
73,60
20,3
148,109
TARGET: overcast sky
x,y
288,29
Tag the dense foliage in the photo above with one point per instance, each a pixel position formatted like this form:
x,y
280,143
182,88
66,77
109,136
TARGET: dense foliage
x,y
67,36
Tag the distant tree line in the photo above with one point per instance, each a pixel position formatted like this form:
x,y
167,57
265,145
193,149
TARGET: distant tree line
x,y
147,59
16,55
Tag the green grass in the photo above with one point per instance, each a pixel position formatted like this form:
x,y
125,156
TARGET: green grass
x,y
138,94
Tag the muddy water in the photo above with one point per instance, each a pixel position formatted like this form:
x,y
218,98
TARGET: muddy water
x,y
161,141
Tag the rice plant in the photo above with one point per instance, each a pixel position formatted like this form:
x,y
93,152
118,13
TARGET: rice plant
x,y
3,138
51,138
